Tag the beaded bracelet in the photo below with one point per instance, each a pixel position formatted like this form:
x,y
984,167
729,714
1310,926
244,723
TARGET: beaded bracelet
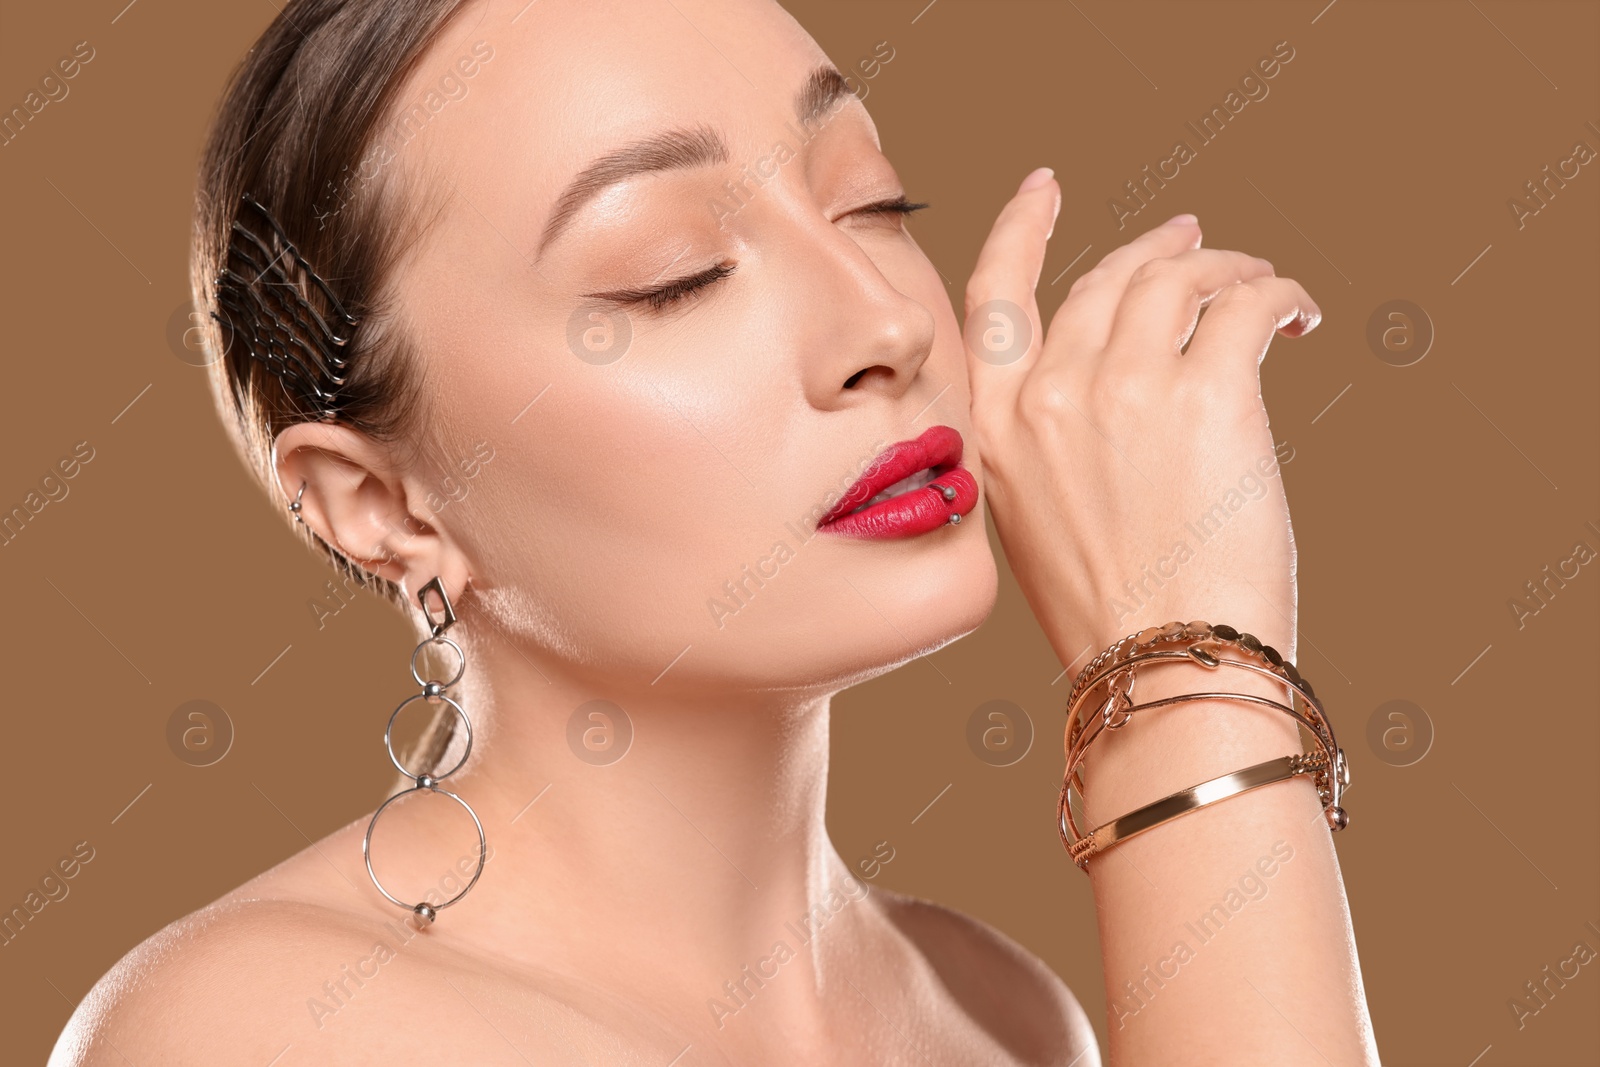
x,y
1194,642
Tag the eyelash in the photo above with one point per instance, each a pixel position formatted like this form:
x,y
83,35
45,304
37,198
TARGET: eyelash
x,y
673,292
898,205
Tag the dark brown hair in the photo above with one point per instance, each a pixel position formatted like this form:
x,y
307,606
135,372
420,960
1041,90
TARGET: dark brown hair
x,y
300,127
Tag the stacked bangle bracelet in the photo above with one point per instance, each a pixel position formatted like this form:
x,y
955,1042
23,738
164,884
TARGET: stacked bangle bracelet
x,y
1110,677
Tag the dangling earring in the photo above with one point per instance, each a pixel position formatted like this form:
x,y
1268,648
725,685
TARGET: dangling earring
x,y
431,691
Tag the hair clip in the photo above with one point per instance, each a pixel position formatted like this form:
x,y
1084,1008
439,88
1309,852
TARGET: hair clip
x,y
269,311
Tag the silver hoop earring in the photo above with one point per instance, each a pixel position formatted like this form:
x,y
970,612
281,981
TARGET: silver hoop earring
x,y
294,505
432,691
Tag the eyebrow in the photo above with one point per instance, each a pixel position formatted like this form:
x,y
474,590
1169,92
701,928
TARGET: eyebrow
x,y
679,149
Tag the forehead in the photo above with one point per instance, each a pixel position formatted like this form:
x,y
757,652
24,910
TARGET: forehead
x,y
531,94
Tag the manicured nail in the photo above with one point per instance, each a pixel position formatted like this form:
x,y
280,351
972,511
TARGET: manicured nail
x,y
1036,179
1182,220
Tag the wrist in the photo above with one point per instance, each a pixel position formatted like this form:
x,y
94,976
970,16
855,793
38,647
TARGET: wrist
x,y
1160,750
1077,642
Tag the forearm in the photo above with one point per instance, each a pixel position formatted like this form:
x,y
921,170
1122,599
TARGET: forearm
x,y
1225,933
1127,459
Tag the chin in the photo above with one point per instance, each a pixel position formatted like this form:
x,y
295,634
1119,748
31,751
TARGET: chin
x,y
913,610
832,619
963,598
963,601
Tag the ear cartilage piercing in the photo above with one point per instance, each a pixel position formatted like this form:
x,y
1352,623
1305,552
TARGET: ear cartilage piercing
x,y
432,691
294,505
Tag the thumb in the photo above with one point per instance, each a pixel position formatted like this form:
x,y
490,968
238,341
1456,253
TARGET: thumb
x,y
1002,330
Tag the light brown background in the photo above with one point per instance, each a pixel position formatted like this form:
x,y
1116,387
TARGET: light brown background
x,y
1424,497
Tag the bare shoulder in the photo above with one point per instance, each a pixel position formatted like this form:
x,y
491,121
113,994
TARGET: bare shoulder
x,y
231,982
146,1007
280,980
1006,989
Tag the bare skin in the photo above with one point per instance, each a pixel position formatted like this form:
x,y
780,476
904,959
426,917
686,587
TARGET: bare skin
x,y
243,979
621,900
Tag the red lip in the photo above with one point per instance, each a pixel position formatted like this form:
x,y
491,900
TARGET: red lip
x,y
914,511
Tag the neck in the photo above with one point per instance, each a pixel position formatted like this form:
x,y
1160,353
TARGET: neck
x,y
688,828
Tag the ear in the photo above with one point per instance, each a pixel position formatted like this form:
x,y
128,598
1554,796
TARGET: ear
x,y
358,502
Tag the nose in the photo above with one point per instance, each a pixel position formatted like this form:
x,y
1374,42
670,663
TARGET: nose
x,y
865,338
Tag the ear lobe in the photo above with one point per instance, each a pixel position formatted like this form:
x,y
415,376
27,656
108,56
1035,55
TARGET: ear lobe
x,y
452,573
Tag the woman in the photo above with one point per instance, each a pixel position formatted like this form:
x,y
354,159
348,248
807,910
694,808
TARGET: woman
x,y
618,336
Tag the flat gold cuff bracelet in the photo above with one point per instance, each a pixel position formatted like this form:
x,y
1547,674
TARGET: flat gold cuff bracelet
x,y
1195,797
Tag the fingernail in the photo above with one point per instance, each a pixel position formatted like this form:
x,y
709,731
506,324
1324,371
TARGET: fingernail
x,y
1181,220
1036,179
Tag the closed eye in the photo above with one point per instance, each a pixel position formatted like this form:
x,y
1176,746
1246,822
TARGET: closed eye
x,y
898,205
663,296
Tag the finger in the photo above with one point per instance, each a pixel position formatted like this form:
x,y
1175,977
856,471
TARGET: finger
x,y
1085,316
1161,305
1001,321
1240,322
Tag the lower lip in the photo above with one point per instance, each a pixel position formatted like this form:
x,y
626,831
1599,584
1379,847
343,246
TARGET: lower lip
x,y
911,513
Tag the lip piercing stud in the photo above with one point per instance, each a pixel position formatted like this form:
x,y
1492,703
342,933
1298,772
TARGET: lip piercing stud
x,y
955,520
944,490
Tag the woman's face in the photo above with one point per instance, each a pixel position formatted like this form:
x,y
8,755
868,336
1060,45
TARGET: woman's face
x,y
659,467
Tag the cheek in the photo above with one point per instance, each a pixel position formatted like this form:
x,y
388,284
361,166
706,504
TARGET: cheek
x,y
629,495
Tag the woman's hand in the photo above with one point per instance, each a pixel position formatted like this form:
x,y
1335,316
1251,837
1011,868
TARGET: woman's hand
x,y
1132,477
1133,480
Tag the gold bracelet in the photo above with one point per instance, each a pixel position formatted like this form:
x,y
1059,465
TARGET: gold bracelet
x,y
1195,797
1194,642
